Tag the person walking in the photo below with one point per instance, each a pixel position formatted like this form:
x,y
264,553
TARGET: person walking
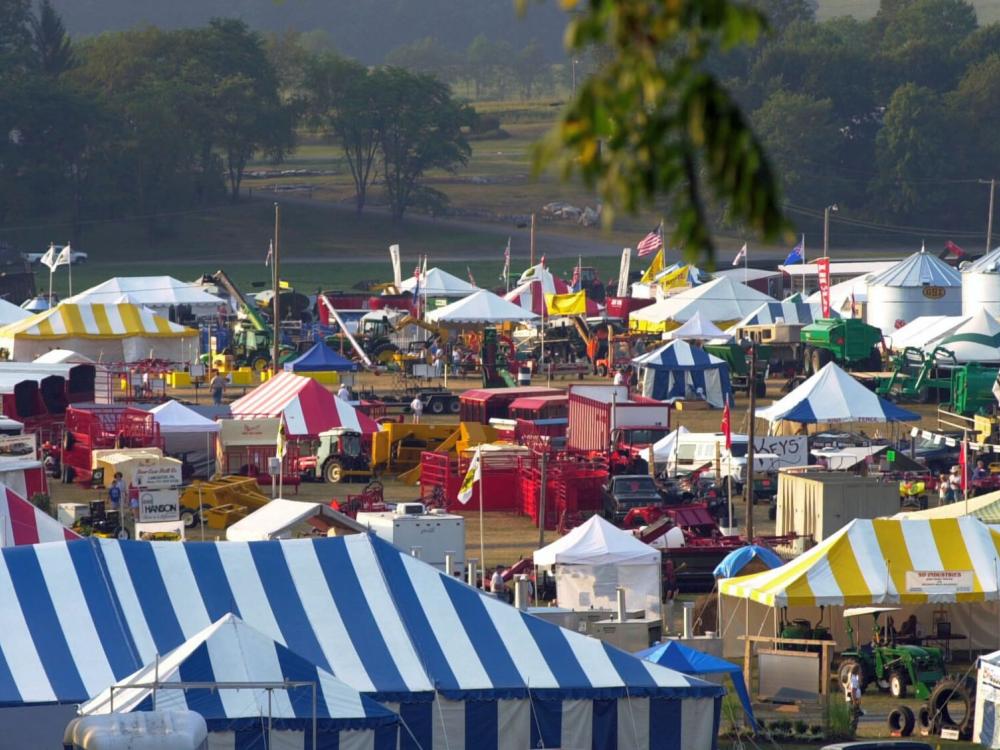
x,y
498,587
218,386
344,393
417,407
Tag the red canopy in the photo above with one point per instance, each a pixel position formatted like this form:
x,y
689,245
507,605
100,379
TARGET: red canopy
x,y
23,523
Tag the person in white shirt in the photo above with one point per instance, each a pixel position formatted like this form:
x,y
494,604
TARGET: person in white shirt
x,y
498,587
619,378
417,407
853,691
344,393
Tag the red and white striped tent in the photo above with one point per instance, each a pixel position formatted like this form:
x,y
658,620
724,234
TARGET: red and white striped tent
x,y
23,523
306,406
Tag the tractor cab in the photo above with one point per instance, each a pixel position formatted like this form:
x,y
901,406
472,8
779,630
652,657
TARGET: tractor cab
x,y
341,455
890,665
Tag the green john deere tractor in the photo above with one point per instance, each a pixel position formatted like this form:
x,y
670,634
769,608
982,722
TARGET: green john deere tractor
x,y
890,665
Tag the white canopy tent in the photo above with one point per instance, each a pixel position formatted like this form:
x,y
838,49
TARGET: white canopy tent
x,y
438,283
977,339
11,313
594,559
481,308
845,294
188,436
665,447
697,328
158,293
924,331
283,519
722,301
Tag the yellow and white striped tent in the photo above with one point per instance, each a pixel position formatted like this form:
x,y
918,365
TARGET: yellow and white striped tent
x,y
120,332
884,561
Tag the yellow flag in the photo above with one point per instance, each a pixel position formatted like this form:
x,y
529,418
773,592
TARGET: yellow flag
x,y
574,303
655,266
675,279
473,475
280,445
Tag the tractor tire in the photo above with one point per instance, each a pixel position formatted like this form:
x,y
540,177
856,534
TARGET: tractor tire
x,y
333,472
189,517
926,723
901,721
122,534
454,405
950,696
847,666
436,406
259,364
897,683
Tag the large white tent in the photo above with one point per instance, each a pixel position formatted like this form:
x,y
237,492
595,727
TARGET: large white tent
x,y
977,339
438,283
481,308
283,519
665,447
723,301
922,332
833,396
11,313
158,293
697,328
845,294
594,559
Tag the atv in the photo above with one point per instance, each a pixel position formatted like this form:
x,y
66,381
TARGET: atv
x,y
891,666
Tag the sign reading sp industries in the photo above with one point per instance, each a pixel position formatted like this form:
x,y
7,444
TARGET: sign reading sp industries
x,y
939,581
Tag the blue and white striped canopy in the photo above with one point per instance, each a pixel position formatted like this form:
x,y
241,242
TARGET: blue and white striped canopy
x,y
792,313
832,396
678,354
230,651
679,370
77,616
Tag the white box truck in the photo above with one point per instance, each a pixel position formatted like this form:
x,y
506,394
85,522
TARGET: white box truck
x,y
428,535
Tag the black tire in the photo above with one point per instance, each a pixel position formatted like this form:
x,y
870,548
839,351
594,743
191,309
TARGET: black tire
x,y
333,472
436,406
848,665
951,694
122,534
925,720
189,517
897,683
900,722
259,364
454,406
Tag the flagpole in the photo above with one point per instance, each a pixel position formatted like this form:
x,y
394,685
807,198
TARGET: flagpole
x,y
803,265
482,543
746,270
50,288
69,258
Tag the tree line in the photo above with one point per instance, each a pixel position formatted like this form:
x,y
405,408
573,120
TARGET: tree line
x,y
147,122
890,118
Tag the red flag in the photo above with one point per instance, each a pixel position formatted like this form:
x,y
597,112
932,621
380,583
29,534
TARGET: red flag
x,y
727,428
823,269
954,249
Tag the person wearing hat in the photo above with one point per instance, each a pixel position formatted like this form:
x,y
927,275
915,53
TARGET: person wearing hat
x,y
955,484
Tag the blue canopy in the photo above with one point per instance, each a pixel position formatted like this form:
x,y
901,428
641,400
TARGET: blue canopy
x,y
686,660
321,358
735,561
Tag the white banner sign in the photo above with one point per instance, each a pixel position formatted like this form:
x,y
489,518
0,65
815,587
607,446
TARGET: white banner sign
x,y
939,581
158,475
159,505
20,446
790,451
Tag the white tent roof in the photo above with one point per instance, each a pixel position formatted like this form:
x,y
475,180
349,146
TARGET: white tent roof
x,y
11,313
273,520
483,307
152,291
63,356
719,299
989,263
923,331
697,327
174,416
920,269
975,340
597,542
833,396
841,293
665,446
439,283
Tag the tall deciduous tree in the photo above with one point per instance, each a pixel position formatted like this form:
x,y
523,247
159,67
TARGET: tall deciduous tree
x,y
424,132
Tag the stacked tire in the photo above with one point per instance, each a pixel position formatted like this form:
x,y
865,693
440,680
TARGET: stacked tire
x,y
901,721
952,705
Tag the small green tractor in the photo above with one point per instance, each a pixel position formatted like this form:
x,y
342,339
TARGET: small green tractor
x,y
340,455
890,665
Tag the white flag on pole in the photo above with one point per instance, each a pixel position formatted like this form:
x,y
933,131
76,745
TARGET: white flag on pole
x,y
473,475
49,258
64,258
740,255
397,268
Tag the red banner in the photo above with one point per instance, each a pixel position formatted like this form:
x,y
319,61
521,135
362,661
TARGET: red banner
x,y
823,269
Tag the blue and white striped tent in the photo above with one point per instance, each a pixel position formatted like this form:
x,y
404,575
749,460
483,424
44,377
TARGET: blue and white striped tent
x,y
460,668
679,370
230,651
792,313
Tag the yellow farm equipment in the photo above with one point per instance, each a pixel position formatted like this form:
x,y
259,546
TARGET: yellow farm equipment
x,y
224,500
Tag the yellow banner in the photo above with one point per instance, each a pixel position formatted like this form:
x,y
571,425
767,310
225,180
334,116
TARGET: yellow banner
x,y
675,279
655,266
574,303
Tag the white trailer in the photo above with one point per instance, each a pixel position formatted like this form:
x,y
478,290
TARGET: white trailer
x,y
429,536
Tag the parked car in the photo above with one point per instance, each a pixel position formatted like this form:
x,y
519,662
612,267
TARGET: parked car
x,y
76,257
624,492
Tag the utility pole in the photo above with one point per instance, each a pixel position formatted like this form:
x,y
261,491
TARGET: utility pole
x,y
989,219
826,228
748,484
276,324
532,240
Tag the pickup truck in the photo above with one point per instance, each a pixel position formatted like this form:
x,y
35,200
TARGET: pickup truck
x,y
76,257
625,492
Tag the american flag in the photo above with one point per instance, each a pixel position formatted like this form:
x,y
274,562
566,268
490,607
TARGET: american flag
x,y
651,242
